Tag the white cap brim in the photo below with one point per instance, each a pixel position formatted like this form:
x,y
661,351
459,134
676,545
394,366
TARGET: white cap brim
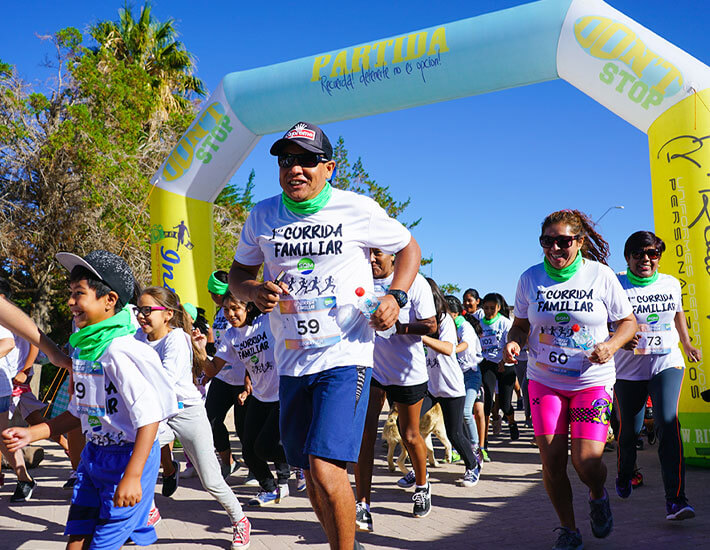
x,y
70,261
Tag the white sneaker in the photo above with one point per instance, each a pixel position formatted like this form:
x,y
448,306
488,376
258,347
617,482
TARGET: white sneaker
x,y
251,480
283,490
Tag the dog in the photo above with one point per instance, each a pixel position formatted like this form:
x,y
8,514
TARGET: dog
x,y
431,423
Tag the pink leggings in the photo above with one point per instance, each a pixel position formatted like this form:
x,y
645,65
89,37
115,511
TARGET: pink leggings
x,y
585,413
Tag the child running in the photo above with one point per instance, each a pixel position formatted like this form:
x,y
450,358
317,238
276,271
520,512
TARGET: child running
x,y
121,393
165,327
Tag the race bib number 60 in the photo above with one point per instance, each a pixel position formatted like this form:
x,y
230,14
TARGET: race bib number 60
x,y
309,323
89,388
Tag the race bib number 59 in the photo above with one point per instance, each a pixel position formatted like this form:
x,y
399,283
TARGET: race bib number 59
x,y
89,388
309,323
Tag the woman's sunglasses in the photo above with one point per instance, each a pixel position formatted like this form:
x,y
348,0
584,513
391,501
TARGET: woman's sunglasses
x,y
562,241
305,160
652,253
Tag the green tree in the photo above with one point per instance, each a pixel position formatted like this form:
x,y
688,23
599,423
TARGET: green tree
x,y
450,288
231,209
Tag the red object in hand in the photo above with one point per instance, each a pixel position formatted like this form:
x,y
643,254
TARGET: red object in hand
x,y
575,328
359,291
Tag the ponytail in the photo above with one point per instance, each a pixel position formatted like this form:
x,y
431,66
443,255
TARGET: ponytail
x,y
594,246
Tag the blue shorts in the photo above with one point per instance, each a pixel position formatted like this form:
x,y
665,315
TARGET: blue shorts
x,y
323,414
92,511
5,403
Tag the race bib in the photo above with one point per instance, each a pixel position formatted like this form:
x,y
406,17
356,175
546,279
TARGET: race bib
x,y
653,339
89,387
490,343
309,323
558,355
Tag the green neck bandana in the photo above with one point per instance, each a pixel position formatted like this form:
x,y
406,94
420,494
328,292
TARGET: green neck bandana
x,y
216,286
641,281
566,273
491,321
311,206
459,321
92,341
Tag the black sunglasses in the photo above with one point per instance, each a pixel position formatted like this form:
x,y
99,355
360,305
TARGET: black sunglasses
x,y
563,241
652,253
306,160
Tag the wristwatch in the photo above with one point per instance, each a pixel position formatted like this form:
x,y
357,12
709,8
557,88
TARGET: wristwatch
x,y
400,296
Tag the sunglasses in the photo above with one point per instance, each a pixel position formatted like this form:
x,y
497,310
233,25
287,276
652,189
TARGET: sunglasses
x,y
145,311
652,253
305,160
562,241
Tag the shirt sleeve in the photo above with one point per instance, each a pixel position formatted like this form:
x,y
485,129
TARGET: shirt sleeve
x,y
521,300
616,301
226,352
248,250
175,352
386,233
422,299
679,295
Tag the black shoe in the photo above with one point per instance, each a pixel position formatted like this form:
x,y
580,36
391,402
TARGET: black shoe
x,y
422,501
514,431
170,483
363,518
600,516
23,491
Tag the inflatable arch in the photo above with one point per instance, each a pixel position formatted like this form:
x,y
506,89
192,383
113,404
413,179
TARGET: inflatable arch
x,y
641,77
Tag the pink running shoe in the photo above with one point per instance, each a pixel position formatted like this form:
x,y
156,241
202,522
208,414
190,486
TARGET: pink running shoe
x,y
240,537
153,517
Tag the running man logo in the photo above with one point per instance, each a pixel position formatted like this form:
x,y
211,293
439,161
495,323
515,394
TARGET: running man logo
x,y
181,235
201,141
651,78
353,60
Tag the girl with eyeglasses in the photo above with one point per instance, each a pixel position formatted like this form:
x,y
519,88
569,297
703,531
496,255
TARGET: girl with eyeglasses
x,y
167,327
561,310
652,364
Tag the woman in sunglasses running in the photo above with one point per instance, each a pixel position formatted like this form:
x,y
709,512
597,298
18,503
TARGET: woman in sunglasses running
x,y
561,310
651,363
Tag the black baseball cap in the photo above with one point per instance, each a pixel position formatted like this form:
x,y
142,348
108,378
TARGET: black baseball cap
x,y
307,135
109,268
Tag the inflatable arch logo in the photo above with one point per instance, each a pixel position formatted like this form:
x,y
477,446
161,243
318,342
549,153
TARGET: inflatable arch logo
x,y
633,72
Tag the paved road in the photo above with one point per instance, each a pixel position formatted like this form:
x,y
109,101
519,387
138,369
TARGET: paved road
x,y
508,508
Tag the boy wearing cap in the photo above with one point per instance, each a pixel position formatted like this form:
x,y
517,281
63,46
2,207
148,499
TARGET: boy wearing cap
x,y
121,393
320,237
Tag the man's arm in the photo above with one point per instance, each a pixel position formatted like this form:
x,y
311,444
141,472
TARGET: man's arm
x,y
406,268
244,285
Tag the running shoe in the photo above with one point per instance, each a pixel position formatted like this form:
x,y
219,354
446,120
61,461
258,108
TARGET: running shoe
x,y
153,517
623,488
170,483
470,477
363,518
637,478
677,510
71,481
229,469
409,480
264,498
283,491
568,539
241,534
514,431
300,480
600,516
23,491
484,453
251,480
422,501
497,425
455,456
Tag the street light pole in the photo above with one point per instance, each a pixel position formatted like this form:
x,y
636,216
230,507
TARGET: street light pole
x,y
607,211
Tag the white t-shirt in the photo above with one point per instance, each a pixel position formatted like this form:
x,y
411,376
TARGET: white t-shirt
x,y
175,352
230,374
252,347
494,337
470,357
326,258
655,307
557,352
8,364
478,314
127,388
399,360
445,374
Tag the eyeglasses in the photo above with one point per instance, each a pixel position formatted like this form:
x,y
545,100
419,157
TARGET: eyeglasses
x,y
652,253
145,311
305,160
563,241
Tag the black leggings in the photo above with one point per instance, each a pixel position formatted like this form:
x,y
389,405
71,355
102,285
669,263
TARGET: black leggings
x,y
220,398
452,410
262,442
506,383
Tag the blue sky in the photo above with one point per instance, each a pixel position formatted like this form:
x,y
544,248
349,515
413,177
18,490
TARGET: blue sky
x,y
482,171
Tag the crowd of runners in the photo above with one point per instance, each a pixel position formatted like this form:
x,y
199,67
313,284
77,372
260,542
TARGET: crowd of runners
x,y
308,368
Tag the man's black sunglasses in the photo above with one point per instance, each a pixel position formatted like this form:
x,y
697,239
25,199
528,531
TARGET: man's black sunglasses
x,y
305,160
563,241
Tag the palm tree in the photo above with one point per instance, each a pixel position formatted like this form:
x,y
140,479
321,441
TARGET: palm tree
x,y
154,46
